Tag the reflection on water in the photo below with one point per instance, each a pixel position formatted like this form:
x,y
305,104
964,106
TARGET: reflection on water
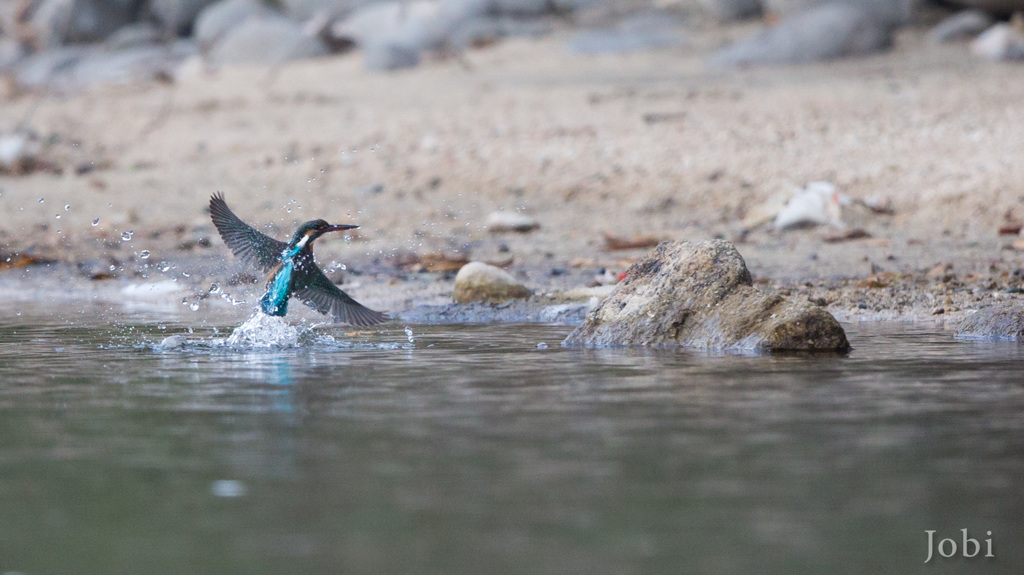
x,y
470,449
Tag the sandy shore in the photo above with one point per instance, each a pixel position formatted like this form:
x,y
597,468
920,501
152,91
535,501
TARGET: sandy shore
x,y
648,144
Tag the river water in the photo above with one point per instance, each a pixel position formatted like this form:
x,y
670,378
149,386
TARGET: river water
x,y
490,449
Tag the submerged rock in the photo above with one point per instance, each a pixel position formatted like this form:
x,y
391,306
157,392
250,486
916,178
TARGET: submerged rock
x,y
477,281
172,342
701,295
1001,321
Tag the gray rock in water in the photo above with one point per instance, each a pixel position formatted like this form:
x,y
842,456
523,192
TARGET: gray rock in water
x,y
177,16
1000,321
172,342
824,33
266,40
477,281
701,296
960,26
214,21
733,9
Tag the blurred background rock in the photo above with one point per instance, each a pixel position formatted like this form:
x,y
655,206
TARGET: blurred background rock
x,y
74,42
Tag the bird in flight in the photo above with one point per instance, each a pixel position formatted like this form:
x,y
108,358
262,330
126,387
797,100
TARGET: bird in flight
x,y
290,267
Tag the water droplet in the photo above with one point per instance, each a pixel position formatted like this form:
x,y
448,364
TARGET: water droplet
x,y
127,236
214,288
144,254
67,207
408,334
95,222
194,306
163,266
227,488
57,216
40,200
185,274
542,345
112,267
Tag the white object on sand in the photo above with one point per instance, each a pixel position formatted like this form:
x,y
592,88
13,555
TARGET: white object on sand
x,y
816,204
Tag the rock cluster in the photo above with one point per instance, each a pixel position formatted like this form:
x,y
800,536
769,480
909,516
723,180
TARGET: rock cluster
x,y
74,42
702,296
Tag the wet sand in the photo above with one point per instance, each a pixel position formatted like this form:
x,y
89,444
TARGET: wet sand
x,y
647,144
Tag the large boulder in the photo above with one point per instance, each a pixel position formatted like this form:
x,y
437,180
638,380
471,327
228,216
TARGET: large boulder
x,y
732,9
266,40
216,20
306,9
960,26
827,32
58,22
701,296
177,16
1000,321
893,11
643,31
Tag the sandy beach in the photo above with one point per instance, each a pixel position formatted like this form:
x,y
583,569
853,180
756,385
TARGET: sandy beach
x,y
648,144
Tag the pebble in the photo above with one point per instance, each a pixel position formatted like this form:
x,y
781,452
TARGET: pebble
x,y
477,281
510,222
818,203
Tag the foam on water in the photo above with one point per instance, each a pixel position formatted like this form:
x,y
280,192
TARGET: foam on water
x,y
264,331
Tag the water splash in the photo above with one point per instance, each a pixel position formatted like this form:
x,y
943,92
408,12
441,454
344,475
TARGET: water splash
x,y
264,331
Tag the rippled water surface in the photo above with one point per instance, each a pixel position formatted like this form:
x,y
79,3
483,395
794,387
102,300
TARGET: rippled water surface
x,y
478,449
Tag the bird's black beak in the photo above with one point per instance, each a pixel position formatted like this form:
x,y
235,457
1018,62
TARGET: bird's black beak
x,y
338,228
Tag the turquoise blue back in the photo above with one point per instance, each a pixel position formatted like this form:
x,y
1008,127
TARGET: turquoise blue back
x,y
275,301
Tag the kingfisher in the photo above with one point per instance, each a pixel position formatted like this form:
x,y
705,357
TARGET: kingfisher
x,y
290,267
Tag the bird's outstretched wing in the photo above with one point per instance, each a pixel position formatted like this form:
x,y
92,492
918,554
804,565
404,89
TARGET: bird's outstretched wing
x,y
327,298
247,243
